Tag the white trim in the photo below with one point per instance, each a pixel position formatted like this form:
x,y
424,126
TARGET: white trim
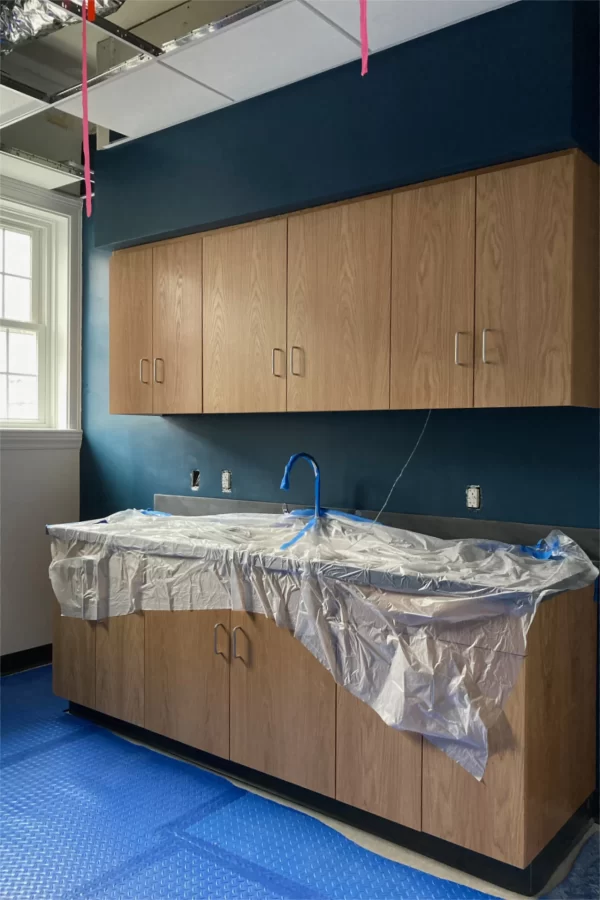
x,y
62,214
39,439
40,198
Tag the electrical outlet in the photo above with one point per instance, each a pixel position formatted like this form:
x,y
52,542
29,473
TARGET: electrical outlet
x,y
195,479
473,496
226,481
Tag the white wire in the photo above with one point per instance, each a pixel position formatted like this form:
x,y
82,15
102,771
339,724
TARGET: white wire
x,y
403,469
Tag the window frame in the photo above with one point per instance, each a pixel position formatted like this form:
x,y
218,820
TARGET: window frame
x,y
55,220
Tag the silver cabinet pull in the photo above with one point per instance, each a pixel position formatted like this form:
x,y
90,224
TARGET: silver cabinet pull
x,y
457,335
292,370
237,628
276,350
216,640
158,359
142,361
484,335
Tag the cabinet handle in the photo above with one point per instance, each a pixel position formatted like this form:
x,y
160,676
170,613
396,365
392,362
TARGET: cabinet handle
x,y
484,335
158,359
237,628
276,350
457,335
299,349
142,361
216,640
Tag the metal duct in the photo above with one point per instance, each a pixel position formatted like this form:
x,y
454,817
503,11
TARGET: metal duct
x,y
23,20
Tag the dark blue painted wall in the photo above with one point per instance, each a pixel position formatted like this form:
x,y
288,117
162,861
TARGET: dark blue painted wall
x,y
502,86
494,88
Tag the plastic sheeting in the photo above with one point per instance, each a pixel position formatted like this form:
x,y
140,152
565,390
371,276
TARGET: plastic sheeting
x,y
430,633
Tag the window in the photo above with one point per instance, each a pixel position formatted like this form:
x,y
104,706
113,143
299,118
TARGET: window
x,y
22,331
40,260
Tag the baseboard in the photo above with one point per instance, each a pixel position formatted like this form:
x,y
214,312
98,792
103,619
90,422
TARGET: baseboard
x,y
25,659
526,881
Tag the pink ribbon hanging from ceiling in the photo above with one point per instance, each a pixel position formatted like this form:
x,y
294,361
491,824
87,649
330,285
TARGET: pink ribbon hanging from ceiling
x,y
84,101
364,37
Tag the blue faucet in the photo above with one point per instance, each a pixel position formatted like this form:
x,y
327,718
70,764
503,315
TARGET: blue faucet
x,y
285,481
285,486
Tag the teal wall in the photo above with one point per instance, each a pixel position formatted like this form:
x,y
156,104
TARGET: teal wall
x,y
506,85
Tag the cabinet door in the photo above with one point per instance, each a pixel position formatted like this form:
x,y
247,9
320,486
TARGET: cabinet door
x,y
339,307
177,327
282,706
488,815
433,283
187,677
245,319
523,308
74,659
120,667
131,331
378,769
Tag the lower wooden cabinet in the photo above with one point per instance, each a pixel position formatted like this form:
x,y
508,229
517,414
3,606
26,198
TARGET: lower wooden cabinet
x,y
542,763
73,659
239,687
378,769
120,667
282,706
187,677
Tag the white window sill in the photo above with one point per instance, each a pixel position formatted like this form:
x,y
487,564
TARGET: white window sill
x,y
40,438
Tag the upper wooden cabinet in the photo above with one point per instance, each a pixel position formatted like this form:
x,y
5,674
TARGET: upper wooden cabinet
x,y
473,291
433,250
177,327
339,307
131,331
156,329
536,309
245,319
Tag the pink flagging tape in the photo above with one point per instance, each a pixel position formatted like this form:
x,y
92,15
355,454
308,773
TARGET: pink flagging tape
x,y
84,100
364,37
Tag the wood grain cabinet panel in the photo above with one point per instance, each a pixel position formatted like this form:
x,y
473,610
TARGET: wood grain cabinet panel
x,y
339,307
74,659
542,761
378,769
177,327
245,319
433,284
532,348
131,331
282,706
120,667
187,677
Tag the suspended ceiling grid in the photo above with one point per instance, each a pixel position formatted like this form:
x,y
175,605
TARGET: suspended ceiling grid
x,y
286,42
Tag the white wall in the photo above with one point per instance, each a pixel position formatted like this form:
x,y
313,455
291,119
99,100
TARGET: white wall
x,y
39,485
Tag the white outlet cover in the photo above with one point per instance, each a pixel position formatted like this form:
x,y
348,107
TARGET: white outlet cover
x,y
473,493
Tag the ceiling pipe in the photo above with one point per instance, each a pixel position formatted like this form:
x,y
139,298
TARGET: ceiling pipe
x,y
26,20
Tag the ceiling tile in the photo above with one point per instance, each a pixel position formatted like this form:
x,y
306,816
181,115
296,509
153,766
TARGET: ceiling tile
x,y
30,172
15,106
145,99
284,43
392,22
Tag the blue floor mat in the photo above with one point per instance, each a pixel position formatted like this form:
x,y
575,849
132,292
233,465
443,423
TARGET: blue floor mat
x,y
583,881
85,814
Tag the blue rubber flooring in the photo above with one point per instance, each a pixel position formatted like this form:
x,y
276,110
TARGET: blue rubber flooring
x,y
85,814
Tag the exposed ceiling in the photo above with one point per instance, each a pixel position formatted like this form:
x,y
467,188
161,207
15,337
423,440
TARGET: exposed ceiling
x,y
259,50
